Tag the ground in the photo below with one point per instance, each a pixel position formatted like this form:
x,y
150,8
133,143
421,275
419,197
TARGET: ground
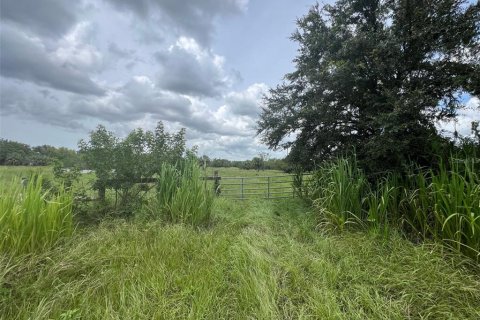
x,y
262,259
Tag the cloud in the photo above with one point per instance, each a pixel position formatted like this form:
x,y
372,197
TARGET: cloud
x,y
142,96
26,58
37,104
114,49
189,69
75,51
194,18
48,17
247,102
131,101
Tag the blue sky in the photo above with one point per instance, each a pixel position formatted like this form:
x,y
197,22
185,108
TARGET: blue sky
x,y
67,66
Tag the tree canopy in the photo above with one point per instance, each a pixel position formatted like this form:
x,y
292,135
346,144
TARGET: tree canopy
x,y
375,76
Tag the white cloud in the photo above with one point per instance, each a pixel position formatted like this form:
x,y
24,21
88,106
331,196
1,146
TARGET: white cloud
x,y
247,102
187,68
75,50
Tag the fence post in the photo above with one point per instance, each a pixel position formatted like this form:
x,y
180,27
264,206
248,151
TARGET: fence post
x,y
216,183
268,187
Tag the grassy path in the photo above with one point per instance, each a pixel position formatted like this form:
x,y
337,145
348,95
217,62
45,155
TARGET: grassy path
x,y
259,260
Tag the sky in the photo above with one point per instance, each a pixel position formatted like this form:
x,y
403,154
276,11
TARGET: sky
x,y
68,66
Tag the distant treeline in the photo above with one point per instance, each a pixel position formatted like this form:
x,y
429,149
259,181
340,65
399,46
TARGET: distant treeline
x,y
256,163
14,153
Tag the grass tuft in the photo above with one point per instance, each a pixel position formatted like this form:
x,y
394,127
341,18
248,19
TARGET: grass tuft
x,y
30,219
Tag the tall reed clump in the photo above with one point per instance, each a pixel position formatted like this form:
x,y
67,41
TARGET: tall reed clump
x,y
31,219
445,205
337,192
182,196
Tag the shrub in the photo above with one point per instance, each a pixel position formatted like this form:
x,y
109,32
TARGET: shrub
x,y
31,219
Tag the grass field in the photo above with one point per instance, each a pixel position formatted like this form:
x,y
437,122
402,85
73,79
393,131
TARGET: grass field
x,y
7,173
256,259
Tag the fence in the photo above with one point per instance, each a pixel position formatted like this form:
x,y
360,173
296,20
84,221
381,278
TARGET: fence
x,y
266,187
242,188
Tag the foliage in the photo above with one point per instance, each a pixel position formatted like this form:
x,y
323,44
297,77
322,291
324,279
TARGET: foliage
x,y
30,220
445,205
375,76
182,196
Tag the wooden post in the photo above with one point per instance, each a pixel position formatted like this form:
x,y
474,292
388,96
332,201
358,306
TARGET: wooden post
x,y
216,183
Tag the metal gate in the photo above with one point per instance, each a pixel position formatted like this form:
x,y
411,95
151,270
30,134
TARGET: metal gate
x,y
258,187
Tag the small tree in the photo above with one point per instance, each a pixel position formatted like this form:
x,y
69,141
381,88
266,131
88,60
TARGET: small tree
x,y
120,164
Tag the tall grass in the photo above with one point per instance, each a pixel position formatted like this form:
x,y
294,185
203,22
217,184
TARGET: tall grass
x,y
443,205
337,189
31,219
182,197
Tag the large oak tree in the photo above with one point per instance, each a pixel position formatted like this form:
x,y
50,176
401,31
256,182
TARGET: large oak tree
x,y
375,76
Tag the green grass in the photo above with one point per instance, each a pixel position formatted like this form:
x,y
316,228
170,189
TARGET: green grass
x,y
182,197
257,260
31,219
8,173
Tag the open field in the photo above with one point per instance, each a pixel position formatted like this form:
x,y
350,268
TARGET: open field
x,y
257,260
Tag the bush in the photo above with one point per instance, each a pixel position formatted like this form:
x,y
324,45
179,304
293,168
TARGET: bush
x,y
31,219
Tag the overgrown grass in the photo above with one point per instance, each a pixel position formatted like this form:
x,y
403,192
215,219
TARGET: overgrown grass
x,y
261,260
30,218
443,205
182,196
338,189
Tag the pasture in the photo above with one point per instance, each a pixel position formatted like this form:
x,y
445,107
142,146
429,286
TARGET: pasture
x,y
253,259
